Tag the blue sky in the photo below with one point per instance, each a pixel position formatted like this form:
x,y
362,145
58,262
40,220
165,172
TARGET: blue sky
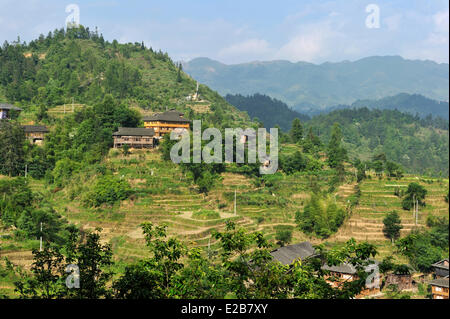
x,y
248,30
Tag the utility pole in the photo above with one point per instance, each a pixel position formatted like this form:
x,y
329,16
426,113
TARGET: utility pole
x,y
209,248
40,241
417,212
414,205
234,202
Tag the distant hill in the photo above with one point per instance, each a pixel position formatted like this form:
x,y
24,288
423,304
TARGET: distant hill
x,y
268,110
409,103
305,85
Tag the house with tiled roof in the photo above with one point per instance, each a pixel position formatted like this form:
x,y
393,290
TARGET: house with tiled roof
x,y
7,109
439,288
164,123
288,254
35,133
441,268
134,137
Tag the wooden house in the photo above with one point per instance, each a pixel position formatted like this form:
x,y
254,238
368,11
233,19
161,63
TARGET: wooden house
x,y
402,281
441,268
35,133
164,123
439,288
288,254
6,109
134,137
338,275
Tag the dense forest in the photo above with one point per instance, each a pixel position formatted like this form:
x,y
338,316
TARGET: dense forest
x,y
414,104
419,144
270,111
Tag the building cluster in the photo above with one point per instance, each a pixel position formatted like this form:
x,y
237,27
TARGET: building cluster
x,y
155,127
337,275
439,285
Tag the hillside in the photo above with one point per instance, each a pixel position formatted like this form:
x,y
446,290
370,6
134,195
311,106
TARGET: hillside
x,y
269,111
79,66
83,88
304,85
419,145
164,195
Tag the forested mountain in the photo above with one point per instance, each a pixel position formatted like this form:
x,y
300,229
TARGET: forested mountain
x,y
268,110
79,65
305,85
421,145
408,103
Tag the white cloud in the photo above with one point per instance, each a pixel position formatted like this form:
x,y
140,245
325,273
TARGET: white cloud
x,y
312,43
253,48
393,22
441,21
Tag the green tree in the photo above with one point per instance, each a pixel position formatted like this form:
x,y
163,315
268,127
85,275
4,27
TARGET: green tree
x,y
296,131
336,153
126,150
12,154
283,236
47,276
415,192
392,226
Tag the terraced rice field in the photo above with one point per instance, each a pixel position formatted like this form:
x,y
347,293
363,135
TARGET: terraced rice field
x,y
377,199
164,195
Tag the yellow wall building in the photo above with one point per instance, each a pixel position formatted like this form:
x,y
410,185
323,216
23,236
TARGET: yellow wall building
x,y
166,122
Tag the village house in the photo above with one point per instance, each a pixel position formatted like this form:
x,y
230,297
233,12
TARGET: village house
x,y
402,281
337,274
439,288
340,274
164,123
441,268
6,109
288,254
35,133
134,137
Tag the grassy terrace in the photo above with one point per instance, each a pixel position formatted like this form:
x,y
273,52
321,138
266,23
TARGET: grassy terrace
x,y
162,194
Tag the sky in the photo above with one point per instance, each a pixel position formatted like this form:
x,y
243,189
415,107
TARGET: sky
x,y
240,31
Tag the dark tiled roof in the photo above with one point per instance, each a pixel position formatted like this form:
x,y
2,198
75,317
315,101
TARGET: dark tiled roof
x,y
343,268
134,131
441,264
346,268
35,128
5,106
287,254
169,116
440,282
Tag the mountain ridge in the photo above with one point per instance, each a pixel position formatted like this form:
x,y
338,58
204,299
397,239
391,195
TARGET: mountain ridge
x,y
345,82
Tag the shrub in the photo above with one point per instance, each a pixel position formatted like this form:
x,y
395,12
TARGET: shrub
x,y
320,216
107,190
